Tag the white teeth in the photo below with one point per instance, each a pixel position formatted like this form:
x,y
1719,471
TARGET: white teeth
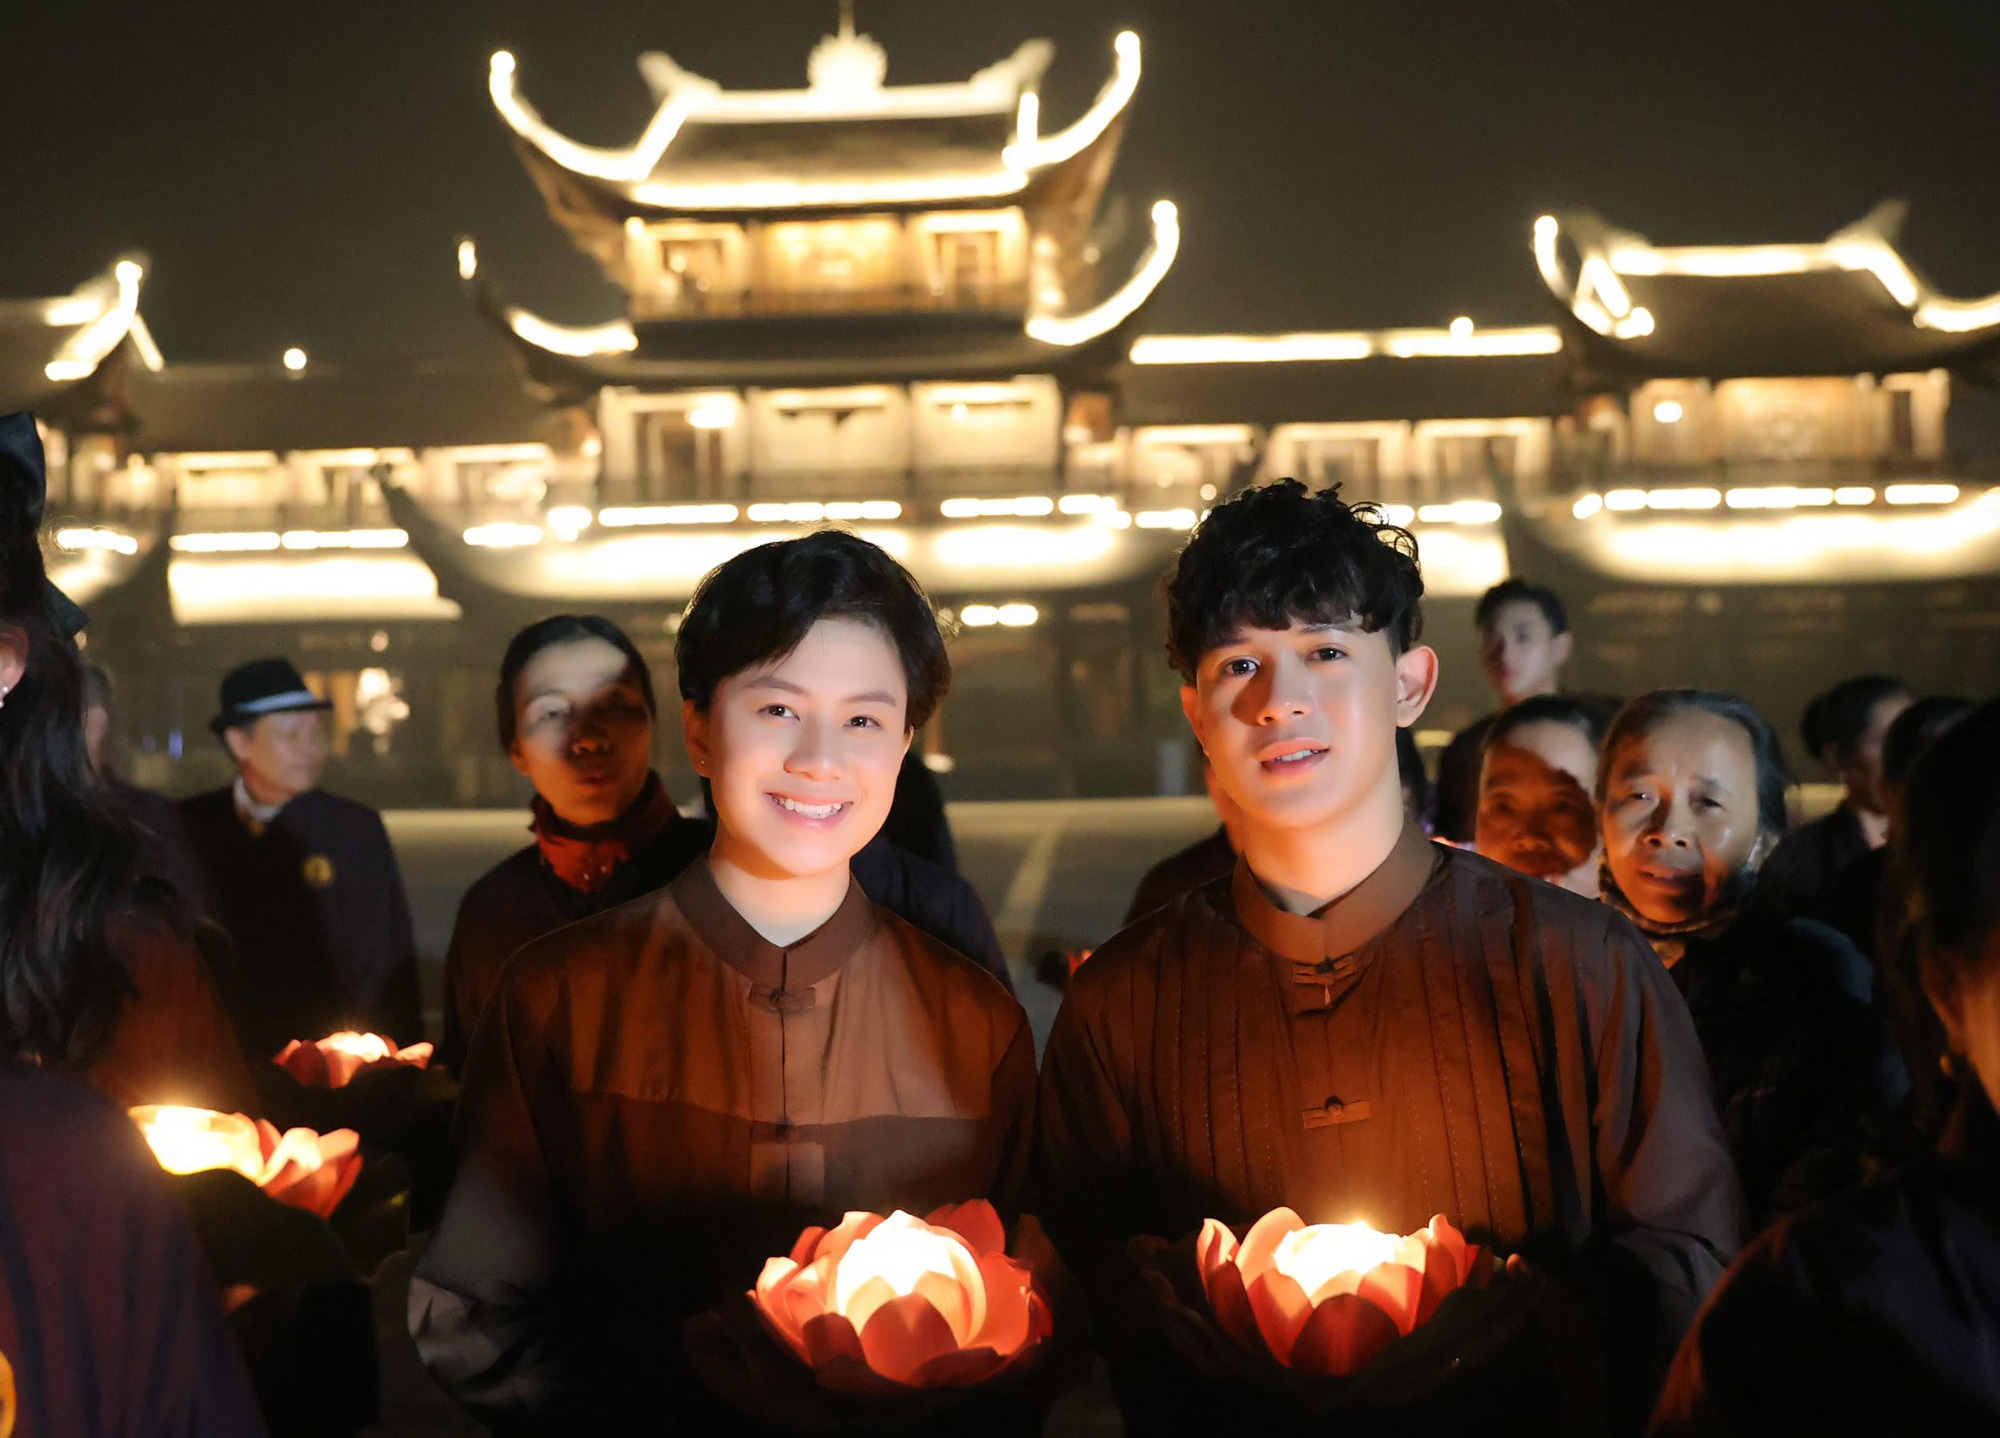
x,y
810,811
1295,755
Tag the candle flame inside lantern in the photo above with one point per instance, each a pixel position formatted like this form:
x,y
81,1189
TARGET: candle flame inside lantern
x,y
192,1140
369,1048
898,1256
1311,1257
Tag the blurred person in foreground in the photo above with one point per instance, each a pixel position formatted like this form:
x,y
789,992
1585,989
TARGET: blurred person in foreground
x,y
1311,1030
1538,769
164,849
305,882
661,1096
1524,641
1691,796
109,1321
1879,1312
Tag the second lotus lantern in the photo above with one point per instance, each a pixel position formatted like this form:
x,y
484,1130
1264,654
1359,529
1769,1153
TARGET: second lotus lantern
x,y
1324,1299
298,1167
333,1061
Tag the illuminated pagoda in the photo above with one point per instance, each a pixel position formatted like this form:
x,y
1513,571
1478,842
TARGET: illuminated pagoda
x,y
821,281
919,311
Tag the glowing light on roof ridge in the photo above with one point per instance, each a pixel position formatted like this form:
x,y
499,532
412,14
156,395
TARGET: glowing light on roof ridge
x,y
1018,160
1345,345
577,341
1601,301
90,346
1112,311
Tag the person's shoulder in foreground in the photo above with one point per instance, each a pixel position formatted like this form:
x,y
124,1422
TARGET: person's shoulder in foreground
x,y
108,1316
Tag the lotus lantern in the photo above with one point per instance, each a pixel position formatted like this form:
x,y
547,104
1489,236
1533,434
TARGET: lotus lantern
x,y
301,1168
925,1303
1325,1298
333,1061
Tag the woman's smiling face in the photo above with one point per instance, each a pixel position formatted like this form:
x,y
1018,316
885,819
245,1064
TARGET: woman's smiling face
x,y
802,752
1680,814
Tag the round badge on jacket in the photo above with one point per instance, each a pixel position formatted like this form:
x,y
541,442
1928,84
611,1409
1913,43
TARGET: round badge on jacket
x,y
318,871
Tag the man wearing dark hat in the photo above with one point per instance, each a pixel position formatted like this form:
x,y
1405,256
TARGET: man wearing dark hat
x,y
306,883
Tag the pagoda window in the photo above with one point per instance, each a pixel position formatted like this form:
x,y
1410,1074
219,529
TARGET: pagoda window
x,y
686,267
821,443
842,264
972,259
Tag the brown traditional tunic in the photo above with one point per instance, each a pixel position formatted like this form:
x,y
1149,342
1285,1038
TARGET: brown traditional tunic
x,y
1449,1037
658,1099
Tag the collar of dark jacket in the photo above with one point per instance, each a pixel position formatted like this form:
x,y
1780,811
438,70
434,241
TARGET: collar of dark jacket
x,y
797,966
1321,948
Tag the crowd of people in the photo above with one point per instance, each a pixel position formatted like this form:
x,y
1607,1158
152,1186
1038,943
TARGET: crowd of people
x,y
1721,1085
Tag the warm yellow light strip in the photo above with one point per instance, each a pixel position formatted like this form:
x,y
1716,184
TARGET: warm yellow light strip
x,y
1105,316
579,342
1019,161
1600,300
86,539
84,351
1346,345
629,516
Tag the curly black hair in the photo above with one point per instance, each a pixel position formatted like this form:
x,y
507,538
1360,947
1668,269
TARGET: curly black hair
x,y
1282,554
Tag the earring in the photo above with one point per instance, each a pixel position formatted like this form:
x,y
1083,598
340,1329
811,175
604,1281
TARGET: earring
x,y
3,697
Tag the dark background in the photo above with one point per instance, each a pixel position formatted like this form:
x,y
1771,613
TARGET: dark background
x,y
298,172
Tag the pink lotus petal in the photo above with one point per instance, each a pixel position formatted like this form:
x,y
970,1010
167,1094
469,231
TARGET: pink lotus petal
x,y
829,1336
959,1369
867,1298
1216,1245
1260,1244
1441,1276
1282,1309
1342,1335
1395,1290
809,1294
1231,1302
1444,1234
977,1222
949,1297
808,1244
904,1334
1041,1321
1007,1304
838,1239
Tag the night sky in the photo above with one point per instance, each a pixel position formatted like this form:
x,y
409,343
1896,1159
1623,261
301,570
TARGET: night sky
x,y
298,172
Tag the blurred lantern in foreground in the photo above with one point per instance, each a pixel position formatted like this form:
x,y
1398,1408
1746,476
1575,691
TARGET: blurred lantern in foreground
x,y
1324,1299
298,1167
332,1061
927,1303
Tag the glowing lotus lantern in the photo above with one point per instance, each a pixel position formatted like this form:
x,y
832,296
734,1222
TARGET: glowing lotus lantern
x,y
298,1167
1325,1298
332,1061
925,1303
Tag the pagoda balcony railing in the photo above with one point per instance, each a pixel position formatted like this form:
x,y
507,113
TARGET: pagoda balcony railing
x,y
1009,296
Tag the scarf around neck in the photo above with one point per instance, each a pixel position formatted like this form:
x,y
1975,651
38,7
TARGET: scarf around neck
x,y
1670,941
586,857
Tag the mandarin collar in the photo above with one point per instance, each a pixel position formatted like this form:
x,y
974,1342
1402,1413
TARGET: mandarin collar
x,y
818,956
1322,947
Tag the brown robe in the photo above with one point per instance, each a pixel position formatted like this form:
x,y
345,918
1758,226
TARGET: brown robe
x,y
1449,1037
657,1100
172,1042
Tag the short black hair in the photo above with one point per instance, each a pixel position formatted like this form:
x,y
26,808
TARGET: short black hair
x,y
1587,714
97,690
1638,716
546,634
1279,555
1507,591
758,606
1838,718
1951,821
1914,728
